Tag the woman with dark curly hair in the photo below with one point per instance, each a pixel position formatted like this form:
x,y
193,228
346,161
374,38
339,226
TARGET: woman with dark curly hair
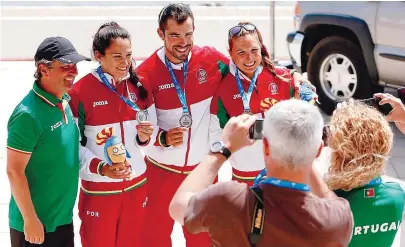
x,y
360,139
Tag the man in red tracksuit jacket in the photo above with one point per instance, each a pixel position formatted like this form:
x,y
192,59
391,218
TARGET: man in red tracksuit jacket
x,y
177,150
183,79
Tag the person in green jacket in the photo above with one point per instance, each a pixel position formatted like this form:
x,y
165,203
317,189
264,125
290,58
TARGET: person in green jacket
x,y
360,139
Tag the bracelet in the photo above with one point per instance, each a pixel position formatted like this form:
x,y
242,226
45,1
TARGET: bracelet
x,y
162,139
100,166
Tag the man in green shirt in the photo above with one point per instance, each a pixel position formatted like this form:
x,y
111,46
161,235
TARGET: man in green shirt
x,y
42,152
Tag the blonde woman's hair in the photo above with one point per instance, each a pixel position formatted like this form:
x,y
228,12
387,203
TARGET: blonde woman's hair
x,y
360,139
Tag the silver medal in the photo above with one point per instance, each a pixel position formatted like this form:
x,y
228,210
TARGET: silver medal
x,y
247,112
142,116
186,121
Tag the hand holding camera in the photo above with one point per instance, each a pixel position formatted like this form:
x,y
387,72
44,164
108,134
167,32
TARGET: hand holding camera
x,y
235,134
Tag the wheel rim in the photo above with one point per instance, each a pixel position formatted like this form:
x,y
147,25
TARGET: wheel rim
x,y
338,77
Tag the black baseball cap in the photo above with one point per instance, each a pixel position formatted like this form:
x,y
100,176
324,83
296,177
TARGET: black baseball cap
x,y
60,49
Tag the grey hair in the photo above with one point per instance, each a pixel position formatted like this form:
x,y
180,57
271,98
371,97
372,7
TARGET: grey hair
x,y
38,74
293,129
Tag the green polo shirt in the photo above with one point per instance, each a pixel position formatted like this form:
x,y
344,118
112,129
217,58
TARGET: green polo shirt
x,y
43,126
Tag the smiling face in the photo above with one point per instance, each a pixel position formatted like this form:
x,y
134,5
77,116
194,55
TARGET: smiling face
x,y
117,153
246,53
117,58
178,39
60,76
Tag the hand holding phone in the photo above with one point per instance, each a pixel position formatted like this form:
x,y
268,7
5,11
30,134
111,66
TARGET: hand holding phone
x,y
385,109
398,112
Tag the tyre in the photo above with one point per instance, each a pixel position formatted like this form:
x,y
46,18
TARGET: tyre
x,y
337,69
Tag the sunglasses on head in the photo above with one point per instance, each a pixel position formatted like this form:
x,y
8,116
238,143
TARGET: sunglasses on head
x,y
236,30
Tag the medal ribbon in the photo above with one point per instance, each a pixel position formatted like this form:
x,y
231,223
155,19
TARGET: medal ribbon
x,y
104,80
260,179
246,95
180,93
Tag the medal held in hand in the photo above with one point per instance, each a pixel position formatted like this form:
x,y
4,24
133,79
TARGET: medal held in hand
x,y
141,115
185,120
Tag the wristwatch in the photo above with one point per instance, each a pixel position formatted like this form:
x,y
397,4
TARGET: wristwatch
x,y
219,147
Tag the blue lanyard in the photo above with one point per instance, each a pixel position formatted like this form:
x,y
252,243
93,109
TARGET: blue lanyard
x,y
104,80
375,181
180,93
260,179
246,95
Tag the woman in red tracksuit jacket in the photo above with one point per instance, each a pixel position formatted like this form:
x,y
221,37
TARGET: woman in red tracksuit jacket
x,y
253,75
115,114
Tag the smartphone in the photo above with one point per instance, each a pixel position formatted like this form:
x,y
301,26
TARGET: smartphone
x,y
375,102
256,130
401,94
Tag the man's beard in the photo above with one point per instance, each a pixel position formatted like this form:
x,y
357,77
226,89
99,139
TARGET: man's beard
x,y
173,53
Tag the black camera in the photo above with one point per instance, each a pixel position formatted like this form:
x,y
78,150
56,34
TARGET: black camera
x,y
256,130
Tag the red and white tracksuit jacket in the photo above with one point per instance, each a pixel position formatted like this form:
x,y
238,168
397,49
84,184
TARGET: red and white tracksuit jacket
x,y
249,161
108,207
167,166
205,71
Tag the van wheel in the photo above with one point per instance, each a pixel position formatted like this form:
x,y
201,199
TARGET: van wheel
x,y
336,67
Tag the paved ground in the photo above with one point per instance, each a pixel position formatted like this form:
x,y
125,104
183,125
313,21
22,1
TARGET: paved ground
x,y
16,78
